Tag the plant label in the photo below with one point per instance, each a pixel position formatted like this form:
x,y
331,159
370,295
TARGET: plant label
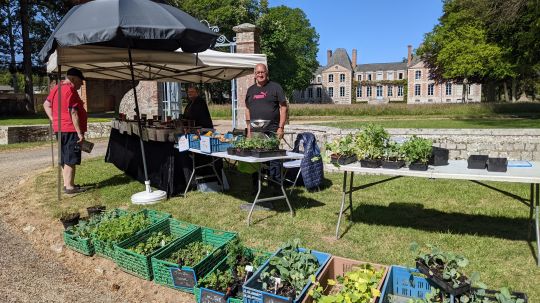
x,y
249,268
183,278
272,299
205,144
210,296
183,143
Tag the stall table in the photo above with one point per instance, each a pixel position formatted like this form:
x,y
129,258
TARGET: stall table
x,y
456,169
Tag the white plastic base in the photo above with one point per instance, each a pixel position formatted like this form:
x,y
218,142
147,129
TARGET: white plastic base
x,y
148,196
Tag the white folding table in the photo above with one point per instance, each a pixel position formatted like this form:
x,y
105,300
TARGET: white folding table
x,y
456,169
253,160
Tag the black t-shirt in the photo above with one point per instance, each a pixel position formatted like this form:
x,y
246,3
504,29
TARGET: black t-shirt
x,y
263,103
197,110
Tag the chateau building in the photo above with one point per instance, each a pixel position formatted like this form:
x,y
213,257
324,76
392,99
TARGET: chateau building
x,y
343,81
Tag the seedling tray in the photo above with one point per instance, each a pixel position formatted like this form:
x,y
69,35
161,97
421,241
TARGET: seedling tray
x,y
491,295
497,164
222,266
140,265
403,284
393,164
231,150
162,268
477,162
106,249
268,153
418,166
343,160
253,292
338,266
370,163
243,152
84,246
440,282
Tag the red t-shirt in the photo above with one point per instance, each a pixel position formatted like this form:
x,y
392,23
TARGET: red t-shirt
x,y
70,99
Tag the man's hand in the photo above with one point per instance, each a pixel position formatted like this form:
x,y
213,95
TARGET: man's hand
x,y
81,138
280,132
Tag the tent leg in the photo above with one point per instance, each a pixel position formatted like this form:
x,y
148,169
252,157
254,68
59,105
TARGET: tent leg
x,y
59,137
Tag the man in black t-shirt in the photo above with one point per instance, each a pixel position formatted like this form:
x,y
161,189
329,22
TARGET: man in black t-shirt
x,y
266,104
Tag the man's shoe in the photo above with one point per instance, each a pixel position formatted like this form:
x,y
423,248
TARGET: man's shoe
x,y
74,190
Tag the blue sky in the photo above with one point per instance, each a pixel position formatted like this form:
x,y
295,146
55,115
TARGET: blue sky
x,y
380,30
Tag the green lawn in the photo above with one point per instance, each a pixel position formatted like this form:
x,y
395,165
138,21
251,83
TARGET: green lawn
x,y
487,225
23,145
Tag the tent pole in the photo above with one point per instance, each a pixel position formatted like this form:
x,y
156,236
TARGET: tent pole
x,y
137,113
59,139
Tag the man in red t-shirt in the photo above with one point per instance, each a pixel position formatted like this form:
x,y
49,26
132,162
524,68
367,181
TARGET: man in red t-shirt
x,y
73,125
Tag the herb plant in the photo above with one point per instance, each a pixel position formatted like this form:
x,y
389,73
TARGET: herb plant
x,y
417,149
155,241
219,281
370,141
192,254
448,266
121,228
344,146
85,228
393,151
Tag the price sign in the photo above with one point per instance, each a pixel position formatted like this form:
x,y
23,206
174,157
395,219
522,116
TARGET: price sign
x,y
183,278
209,296
183,143
205,144
276,299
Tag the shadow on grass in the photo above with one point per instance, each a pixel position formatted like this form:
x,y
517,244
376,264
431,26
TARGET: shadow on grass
x,y
525,201
119,179
415,216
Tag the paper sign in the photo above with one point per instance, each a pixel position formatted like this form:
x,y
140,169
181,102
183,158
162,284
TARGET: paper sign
x,y
208,296
183,143
205,144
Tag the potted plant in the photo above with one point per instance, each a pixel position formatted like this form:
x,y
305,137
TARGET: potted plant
x,y
370,142
70,219
417,152
343,150
480,294
266,147
394,155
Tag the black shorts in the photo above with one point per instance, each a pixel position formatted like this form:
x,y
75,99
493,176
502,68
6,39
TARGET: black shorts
x,y
71,151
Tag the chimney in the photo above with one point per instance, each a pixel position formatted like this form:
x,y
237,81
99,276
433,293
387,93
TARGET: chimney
x,y
354,58
328,56
409,55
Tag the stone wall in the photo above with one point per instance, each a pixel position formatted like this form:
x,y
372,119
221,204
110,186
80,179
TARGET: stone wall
x,y
33,133
515,144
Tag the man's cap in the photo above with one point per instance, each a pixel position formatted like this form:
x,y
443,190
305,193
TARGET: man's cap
x,y
75,72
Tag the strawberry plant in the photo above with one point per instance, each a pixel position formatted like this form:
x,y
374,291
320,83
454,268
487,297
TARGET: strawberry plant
x,y
154,242
358,285
192,254
121,228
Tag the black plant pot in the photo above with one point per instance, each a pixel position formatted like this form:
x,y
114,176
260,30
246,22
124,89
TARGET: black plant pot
x,y
231,151
268,153
343,160
439,156
393,164
477,162
95,210
418,166
497,164
70,219
243,152
370,163
446,286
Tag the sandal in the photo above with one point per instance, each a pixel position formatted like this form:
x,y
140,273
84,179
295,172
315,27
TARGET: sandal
x,y
74,190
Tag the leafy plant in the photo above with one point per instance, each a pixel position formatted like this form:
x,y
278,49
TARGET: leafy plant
x,y
219,280
192,254
155,241
393,151
358,285
479,294
344,146
121,228
371,140
293,269
257,143
85,228
417,149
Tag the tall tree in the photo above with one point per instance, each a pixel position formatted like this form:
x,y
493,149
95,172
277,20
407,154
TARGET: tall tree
x,y
9,38
290,44
27,56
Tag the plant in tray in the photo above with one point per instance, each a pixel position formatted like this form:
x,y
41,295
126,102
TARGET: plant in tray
x,y
289,271
357,285
155,241
85,228
370,143
121,228
480,294
192,254
417,151
394,155
343,150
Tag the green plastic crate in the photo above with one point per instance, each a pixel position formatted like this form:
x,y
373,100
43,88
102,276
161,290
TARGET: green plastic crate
x,y
217,238
84,246
223,266
140,265
106,249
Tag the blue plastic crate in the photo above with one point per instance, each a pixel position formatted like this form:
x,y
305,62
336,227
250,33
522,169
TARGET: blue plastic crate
x,y
194,143
215,144
403,284
254,295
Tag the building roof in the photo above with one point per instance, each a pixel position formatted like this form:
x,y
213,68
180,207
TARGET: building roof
x,y
340,57
372,67
319,70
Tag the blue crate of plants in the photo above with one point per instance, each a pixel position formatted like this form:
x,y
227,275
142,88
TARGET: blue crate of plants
x,y
403,284
194,141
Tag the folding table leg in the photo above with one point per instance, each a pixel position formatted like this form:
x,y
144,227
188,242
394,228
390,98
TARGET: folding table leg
x,y
217,176
283,189
537,193
259,183
188,184
350,195
531,212
343,194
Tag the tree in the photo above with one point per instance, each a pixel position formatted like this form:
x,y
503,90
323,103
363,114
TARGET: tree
x,y
27,56
290,44
10,38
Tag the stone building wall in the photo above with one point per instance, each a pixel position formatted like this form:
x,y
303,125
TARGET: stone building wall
x,y
515,144
33,133
147,96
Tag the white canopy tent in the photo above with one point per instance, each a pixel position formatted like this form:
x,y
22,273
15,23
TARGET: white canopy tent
x,y
113,63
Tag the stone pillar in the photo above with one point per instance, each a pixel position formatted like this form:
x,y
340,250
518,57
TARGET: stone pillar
x,y
247,42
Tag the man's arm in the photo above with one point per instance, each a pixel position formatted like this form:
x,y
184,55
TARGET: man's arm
x,y
48,109
283,107
75,120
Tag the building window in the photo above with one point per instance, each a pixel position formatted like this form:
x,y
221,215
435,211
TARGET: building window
x,y
430,89
390,76
342,91
379,75
359,77
319,92
368,91
331,92
417,75
341,77
400,90
302,94
379,90
318,79
310,92
400,76
359,91
331,78
448,88
417,89
369,77
468,89
390,92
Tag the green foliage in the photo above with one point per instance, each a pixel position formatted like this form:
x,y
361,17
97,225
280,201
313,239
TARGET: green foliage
x,y
192,254
85,228
293,267
343,146
358,285
257,143
370,141
218,280
121,228
417,149
154,242
393,151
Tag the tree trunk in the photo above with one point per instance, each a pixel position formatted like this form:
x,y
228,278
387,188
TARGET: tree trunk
x,y
505,87
514,89
27,56
464,92
13,63
207,95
